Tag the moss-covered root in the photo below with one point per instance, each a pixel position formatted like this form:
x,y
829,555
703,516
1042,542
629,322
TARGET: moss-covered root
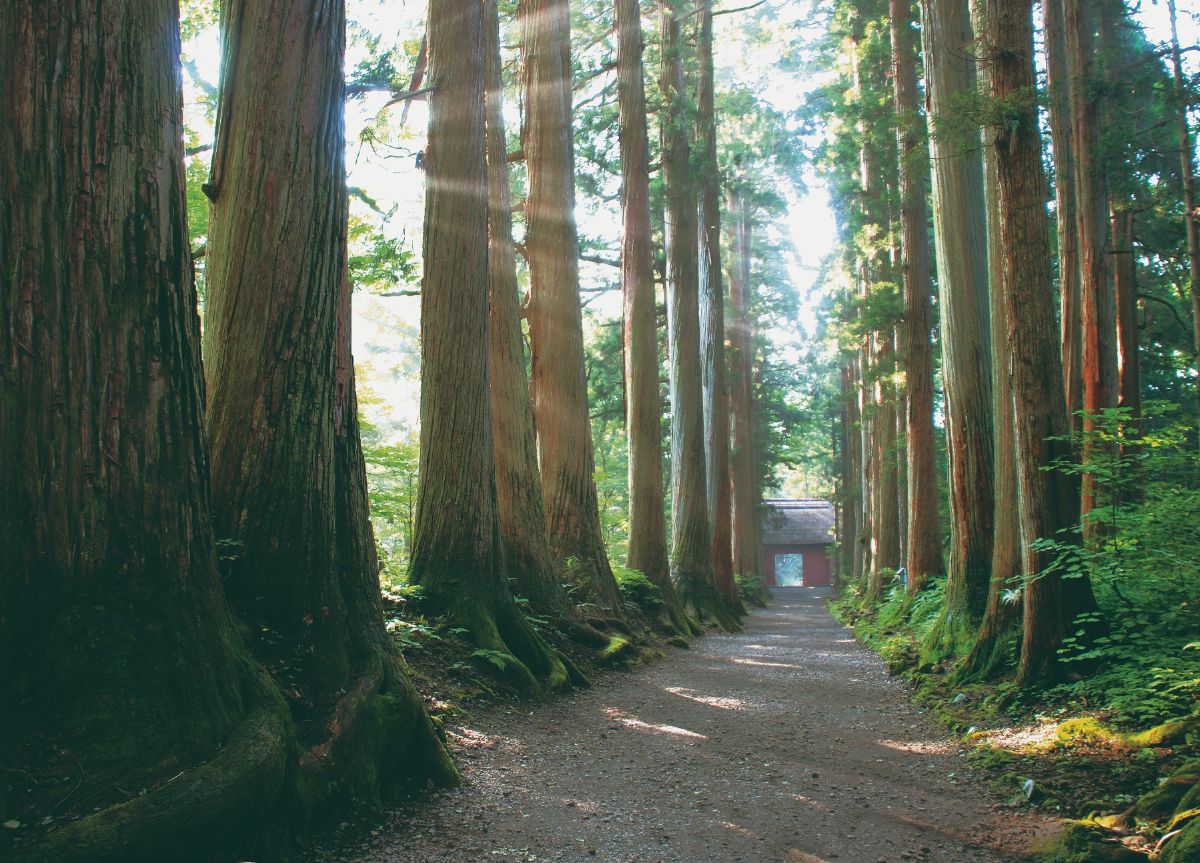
x,y
217,804
1184,846
547,665
378,739
1084,842
951,637
676,625
707,604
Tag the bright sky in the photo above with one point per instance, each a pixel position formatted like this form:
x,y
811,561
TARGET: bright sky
x,y
385,328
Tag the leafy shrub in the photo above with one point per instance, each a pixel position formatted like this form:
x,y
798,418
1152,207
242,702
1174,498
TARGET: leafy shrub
x,y
1141,550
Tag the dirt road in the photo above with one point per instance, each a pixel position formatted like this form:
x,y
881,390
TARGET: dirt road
x,y
786,742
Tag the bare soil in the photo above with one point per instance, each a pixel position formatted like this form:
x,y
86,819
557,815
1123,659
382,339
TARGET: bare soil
x,y
785,742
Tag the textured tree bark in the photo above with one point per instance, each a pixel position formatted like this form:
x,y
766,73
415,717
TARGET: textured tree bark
x,y
458,551
1048,499
289,483
1098,304
885,524
870,474
744,458
559,382
691,538
851,496
878,271
643,407
989,653
924,547
1062,139
960,231
527,553
121,662
712,318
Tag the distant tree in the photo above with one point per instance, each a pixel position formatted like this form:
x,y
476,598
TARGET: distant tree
x,y
1191,206
1097,317
747,497
1062,139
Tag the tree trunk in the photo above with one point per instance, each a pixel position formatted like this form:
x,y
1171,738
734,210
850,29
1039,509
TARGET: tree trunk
x,y
527,553
458,551
885,526
744,458
1129,371
121,663
559,381
1098,305
1062,139
990,651
643,408
924,544
715,389
289,483
1191,208
851,496
960,231
691,539
1048,498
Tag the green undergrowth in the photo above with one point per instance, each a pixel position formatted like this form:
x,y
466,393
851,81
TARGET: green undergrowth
x,y
1115,753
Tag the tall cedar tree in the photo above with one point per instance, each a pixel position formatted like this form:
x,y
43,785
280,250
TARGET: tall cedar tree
x,y
1049,499
990,651
289,482
691,539
1062,139
744,457
715,386
559,382
643,407
960,232
1097,317
1129,373
877,274
120,660
527,554
458,551
1187,165
924,545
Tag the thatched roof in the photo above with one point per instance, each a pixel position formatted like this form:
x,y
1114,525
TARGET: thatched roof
x,y
797,522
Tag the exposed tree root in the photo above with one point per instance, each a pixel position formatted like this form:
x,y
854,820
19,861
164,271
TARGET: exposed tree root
x,y
378,738
220,802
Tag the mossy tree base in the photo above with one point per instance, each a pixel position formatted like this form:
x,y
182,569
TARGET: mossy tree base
x,y
705,602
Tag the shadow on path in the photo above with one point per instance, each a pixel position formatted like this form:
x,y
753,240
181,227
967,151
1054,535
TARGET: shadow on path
x,y
785,742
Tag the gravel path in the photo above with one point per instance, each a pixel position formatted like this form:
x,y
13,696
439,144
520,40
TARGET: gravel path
x,y
786,742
